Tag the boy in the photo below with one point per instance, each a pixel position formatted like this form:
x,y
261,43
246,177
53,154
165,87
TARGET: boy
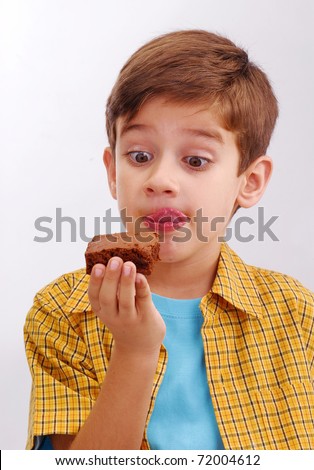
x,y
207,352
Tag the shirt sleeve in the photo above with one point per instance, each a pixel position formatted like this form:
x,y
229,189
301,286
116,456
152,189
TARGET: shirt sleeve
x,y
306,313
64,383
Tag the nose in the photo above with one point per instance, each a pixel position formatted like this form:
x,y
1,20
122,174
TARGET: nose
x,y
161,180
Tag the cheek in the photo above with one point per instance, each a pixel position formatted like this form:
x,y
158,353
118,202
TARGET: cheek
x,y
216,203
123,183
127,192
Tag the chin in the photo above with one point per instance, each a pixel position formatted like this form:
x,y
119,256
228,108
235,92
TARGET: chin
x,y
173,251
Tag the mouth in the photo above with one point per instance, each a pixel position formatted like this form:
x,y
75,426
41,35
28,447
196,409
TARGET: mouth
x,y
166,219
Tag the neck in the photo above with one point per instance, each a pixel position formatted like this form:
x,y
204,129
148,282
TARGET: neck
x,y
186,279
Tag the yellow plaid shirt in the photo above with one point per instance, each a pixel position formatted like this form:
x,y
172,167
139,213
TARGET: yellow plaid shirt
x,y
258,336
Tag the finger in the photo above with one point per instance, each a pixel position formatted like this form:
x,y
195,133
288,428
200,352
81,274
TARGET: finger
x,y
94,286
109,287
143,293
127,290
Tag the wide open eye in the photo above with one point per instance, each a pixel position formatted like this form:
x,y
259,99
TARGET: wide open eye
x,y
140,157
197,162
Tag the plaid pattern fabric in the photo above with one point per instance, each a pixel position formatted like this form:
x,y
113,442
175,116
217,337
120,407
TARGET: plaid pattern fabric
x,y
258,336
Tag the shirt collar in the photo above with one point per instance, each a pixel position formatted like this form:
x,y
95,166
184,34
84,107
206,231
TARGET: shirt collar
x,y
78,300
234,282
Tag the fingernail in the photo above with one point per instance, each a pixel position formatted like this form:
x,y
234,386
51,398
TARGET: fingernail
x,y
98,272
114,264
127,269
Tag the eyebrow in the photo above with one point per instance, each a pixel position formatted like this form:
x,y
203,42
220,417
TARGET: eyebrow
x,y
208,134
132,127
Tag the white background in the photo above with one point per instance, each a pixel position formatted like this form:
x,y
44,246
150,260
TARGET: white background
x,y
59,60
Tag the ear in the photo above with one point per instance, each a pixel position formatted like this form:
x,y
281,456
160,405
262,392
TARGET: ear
x,y
254,182
110,164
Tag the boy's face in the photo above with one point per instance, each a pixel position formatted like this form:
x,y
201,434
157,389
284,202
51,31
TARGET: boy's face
x,y
176,170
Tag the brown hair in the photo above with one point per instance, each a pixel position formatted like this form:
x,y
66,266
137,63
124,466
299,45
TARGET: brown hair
x,y
199,66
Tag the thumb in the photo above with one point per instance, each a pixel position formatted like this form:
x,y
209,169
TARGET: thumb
x,y
142,290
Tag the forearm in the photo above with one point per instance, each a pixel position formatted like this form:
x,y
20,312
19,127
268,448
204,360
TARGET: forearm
x,y
123,302
118,418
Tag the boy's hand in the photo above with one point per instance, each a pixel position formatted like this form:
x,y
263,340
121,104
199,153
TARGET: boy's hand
x,y
121,298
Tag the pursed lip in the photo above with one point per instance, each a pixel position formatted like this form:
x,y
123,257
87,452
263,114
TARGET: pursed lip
x,y
166,219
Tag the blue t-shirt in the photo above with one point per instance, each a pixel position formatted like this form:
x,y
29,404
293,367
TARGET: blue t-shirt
x,y
183,416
